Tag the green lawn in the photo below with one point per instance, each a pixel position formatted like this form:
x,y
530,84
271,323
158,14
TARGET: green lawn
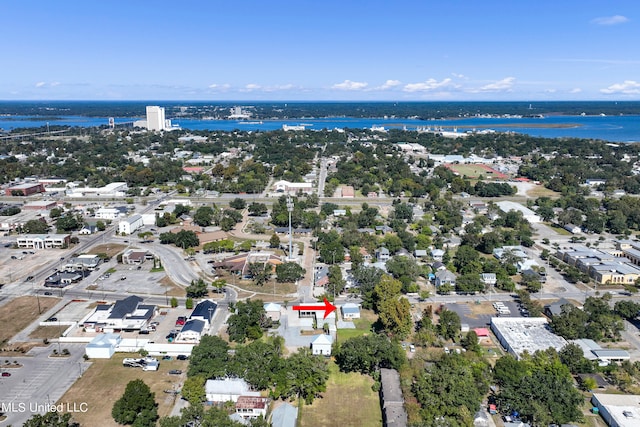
x,y
363,326
348,402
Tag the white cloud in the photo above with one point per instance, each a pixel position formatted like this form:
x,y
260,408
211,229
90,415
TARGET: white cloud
x,y
251,87
426,86
550,91
629,87
389,84
40,84
459,76
610,20
575,90
216,86
349,85
503,85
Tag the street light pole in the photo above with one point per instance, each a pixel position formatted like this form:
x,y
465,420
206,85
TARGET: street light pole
x,y
290,209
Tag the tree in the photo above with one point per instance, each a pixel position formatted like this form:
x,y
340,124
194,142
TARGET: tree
x,y
627,309
209,358
274,241
193,389
238,203
304,376
137,406
197,289
368,353
289,272
248,321
452,390
35,226
449,324
259,272
203,216
394,311
573,357
470,342
174,302
540,387
186,239
259,362
257,209
188,303
51,419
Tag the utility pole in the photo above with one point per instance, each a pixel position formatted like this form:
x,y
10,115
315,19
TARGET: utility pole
x,y
290,209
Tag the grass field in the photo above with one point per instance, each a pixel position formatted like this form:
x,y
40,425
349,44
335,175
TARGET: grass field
x,y
28,309
474,171
104,383
348,402
363,326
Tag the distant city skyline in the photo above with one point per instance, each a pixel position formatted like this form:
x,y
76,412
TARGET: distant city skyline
x,y
495,50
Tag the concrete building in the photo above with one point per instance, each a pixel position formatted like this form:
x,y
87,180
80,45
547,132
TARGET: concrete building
x,y
528,214
525,334
25,189
103,346
43,241
292,188
114,189
131,224
108,213
155,118
618,410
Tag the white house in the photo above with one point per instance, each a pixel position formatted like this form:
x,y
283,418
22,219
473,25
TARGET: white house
x,y
273,311
204,311
382,254
191,332
350,311
131,224
322,345
108,213
248,407
227,390
283,186
437,254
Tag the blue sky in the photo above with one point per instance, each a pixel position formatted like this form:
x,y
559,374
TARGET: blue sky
x,y
352,50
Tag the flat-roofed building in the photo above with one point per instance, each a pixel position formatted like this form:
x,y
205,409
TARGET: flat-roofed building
x,y
25,189
525,334
130,224
528,214
618,410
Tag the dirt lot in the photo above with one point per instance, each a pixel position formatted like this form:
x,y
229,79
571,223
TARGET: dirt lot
x,y
28,308
104,383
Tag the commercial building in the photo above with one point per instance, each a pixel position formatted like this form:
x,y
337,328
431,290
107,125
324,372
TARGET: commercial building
x,y
525,334
43,241
287,187
618,410
103,346
25,189
528,214
128,314
131,224
227,390
114,189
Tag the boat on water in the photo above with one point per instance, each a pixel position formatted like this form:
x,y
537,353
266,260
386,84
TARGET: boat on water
x,y
242,122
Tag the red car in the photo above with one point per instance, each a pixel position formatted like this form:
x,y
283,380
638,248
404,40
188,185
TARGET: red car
x,y
181,321
6,374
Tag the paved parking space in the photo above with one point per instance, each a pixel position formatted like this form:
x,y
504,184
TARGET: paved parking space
x,y
40,381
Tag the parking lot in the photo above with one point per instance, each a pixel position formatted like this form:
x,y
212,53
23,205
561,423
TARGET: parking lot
x,y
479,315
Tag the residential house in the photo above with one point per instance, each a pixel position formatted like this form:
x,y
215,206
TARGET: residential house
x,y
555,308
248,407
227,390
191,331
88,229
437,254
573,229
350,311
489,279
273,311
322,345
382,254
445,277
420,253
204,311
438,266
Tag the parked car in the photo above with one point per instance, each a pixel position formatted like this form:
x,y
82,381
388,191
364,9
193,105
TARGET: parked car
x,y
6,374
52,319
175,372
181,320
167,357
182,357
48,293
29,278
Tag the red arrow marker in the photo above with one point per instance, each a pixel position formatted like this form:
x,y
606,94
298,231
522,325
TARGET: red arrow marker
x,y
327,307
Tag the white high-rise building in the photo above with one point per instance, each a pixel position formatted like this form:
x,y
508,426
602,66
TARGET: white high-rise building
x,y
155,118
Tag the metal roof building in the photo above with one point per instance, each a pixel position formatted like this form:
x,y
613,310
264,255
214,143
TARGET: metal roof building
x,y
525,334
